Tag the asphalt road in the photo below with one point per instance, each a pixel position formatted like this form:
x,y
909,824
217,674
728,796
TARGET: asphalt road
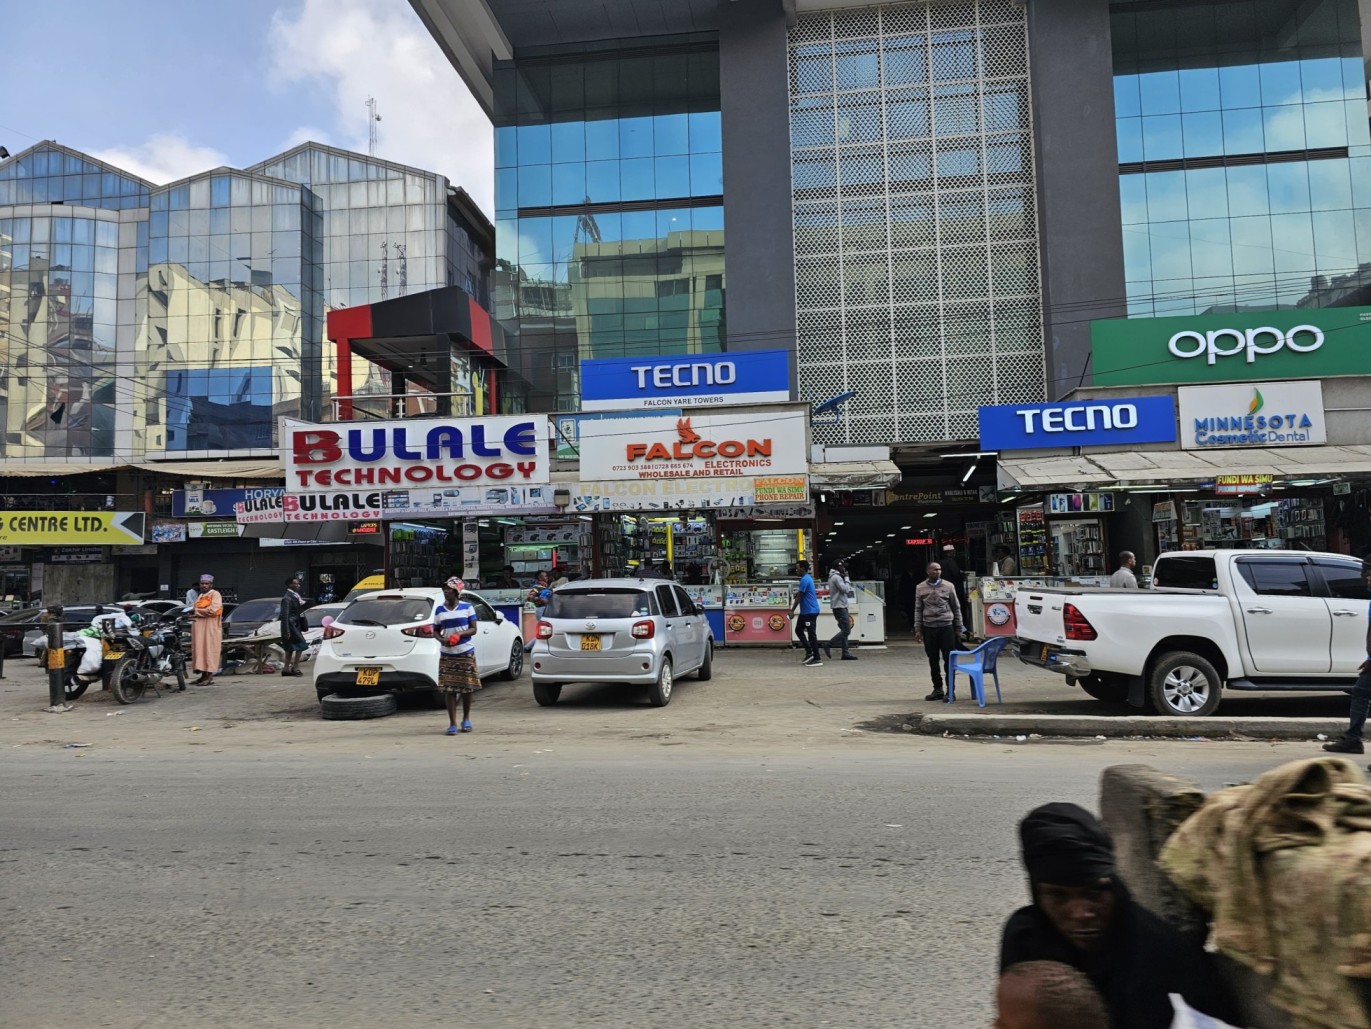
x,y
509,880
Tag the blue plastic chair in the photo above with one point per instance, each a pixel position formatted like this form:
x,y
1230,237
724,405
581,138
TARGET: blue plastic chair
x,y
976,664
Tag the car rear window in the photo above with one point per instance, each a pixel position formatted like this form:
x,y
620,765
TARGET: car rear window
x,y
600,603
257,611
1186,572
387,611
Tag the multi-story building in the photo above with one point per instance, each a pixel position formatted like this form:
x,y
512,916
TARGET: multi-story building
x,y
145,322
939,205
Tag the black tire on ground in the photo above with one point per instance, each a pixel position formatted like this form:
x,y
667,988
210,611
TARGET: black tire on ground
x,y
1184,684
178,663
515,668
72,687
706,671
126,688
659,693
546,694
322,693
1108,690
344,709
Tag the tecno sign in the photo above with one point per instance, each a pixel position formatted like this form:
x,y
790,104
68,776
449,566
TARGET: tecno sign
x,y
1301,343
1078,423
1265,339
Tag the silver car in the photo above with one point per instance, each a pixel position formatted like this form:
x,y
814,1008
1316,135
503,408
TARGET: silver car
x,y
641,632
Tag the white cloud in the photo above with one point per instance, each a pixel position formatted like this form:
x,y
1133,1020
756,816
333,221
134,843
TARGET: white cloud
x,y
163,158
361,48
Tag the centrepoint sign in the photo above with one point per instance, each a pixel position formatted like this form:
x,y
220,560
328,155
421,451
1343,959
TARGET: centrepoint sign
x,y
1266,345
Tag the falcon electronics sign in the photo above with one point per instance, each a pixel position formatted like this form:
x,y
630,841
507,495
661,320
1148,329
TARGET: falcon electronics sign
x,y
707,446
495,451
1308,343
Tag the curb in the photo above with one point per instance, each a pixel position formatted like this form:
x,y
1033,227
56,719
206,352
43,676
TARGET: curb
x,y
1307,729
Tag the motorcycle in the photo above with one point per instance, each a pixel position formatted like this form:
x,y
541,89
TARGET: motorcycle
x,y
131,661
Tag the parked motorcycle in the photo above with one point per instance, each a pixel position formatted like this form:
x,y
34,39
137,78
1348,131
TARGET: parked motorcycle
x,y
132,660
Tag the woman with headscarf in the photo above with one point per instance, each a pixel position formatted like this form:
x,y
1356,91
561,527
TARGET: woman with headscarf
x,y
206,631
1083,916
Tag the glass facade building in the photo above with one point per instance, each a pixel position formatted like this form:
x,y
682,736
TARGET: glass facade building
x,y
145,321
916,237
609,208
1245,158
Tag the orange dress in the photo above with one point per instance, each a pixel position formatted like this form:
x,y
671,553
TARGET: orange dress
x,y
207,632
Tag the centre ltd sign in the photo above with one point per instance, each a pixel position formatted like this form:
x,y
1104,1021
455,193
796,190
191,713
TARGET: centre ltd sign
x,y
417,452
1304,343
1078,423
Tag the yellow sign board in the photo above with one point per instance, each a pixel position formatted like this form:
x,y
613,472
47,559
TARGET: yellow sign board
x,y
71,528
781,489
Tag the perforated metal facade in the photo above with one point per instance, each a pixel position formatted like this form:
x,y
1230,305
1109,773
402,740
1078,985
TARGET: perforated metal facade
x,y
916,240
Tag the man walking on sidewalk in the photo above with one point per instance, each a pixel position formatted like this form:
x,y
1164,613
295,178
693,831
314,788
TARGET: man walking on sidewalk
x,y
840,594
807,600
937,624
1351,742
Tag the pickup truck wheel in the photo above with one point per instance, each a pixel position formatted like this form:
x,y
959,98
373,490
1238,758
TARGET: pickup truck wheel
x,y
1183,683
1111,691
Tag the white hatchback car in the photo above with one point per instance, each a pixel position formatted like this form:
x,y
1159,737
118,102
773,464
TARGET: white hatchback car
x,y
383,642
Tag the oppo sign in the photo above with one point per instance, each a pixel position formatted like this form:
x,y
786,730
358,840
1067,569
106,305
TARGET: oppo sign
x,y
1302,339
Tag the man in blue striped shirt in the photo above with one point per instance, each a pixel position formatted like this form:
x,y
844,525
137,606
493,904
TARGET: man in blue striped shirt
x,y
454,623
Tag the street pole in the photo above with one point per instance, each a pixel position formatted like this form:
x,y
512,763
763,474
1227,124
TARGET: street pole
x,y
57,666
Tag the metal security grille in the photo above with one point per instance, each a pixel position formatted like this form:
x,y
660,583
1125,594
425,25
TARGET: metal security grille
x,y
916,239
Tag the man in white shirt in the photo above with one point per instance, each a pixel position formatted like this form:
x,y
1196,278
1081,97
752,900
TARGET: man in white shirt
x,y
1124,579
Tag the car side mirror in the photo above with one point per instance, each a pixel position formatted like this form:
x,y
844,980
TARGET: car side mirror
x,y
699,609
499,618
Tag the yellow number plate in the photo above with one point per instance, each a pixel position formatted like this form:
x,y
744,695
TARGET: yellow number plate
x,y
590,642
1043,656
368,677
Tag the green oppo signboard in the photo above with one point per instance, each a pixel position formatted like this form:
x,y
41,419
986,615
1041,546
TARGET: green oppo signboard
x,y
1266,345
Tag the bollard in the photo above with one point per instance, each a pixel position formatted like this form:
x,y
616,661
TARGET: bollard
x,y
57,665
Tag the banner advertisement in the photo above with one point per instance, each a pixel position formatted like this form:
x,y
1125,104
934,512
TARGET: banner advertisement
x,y
692,380
1078,423
168,532
768,511
662,495
390,505
1258,414
1304,343
1079,503
214,503
568,532
704,446
72,528
213,530
781,489
1241,485
471,550
435,453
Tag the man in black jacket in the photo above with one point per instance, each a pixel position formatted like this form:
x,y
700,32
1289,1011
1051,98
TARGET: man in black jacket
x,y
1083,916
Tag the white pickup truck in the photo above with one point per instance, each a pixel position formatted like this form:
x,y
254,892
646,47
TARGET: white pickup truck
x,y
1240,619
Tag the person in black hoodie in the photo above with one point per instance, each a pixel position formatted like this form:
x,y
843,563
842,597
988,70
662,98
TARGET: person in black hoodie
x,y
1082,915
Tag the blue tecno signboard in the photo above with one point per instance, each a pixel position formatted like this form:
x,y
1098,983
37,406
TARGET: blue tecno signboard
x,y
1079,423
685,380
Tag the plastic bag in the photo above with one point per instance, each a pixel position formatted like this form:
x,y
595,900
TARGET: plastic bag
x,y
1188,1018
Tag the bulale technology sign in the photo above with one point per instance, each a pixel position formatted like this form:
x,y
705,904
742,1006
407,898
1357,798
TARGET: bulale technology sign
x,y
499,450
707,446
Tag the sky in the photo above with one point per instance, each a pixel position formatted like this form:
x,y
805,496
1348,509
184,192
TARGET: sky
x,y
167,88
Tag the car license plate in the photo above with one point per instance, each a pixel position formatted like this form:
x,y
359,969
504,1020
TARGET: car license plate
x,y
1043,654
590,642
368,677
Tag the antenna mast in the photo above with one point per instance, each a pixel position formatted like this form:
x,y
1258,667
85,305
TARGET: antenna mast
x,y
373,118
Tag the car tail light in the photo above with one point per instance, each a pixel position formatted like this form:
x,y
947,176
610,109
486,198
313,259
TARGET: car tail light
x,y
545,630
644,630
332,632
1078,626
423,632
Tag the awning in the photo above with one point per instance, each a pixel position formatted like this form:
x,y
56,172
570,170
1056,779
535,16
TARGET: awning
x,y
336,532
243,468
1172,467
33,469
853,474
